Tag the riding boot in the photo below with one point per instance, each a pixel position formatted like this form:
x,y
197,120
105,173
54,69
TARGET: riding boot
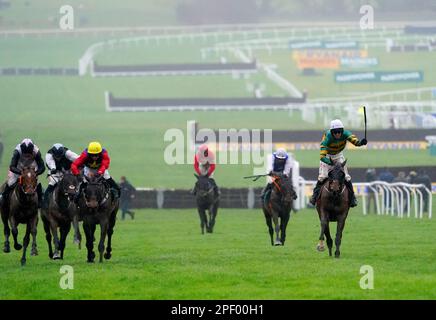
x,y
353,200
4,196
47,195
40,195
316,191
113,185
266,193
82,186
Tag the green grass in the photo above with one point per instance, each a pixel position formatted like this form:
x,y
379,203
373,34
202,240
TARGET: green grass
x,y
162,255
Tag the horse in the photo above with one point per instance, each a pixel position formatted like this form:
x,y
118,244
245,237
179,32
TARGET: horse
x,y
333,205
60,213
279,207
207,200
98,205
22,207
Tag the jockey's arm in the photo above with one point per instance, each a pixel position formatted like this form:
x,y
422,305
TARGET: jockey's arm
x,y
105,162
39,163
78,163
211,169
51,164
13,166
288,166
70,155
352,138
197,166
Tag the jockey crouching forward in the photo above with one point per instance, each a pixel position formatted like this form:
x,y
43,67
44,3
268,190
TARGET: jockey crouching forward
x,y
95,161
204,165
58,160
26,154
278,163
332,144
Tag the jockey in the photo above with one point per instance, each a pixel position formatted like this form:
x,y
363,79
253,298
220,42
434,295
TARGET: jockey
x,y
58,160
332,144
95,161
25,154
278,162
204,164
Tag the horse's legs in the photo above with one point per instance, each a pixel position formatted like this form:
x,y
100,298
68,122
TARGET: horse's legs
x,y
329,239
269,224
203,219
77,235
7,232
104,224
340,228
26,241
14,227
110,231
54,231
34,230
214,213
275,218
283,224
324,224
65,229
89,235
48,236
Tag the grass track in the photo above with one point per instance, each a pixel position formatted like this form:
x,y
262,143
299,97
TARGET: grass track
x,y
162,255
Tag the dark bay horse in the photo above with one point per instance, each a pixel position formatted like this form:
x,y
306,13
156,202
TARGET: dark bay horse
x,y
22,207
207,200
98,206
61,212
278,209
333,205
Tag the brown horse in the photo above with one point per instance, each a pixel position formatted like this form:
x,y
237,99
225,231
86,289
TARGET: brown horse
x,y
61,212
279,207
333,205
22,207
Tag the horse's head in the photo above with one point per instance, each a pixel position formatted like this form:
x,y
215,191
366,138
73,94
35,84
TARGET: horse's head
x,y
283,185
203,185
68,185
337,176
28,181
94,192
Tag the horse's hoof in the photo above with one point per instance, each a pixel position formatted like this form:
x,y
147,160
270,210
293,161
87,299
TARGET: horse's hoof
x,y
337,254
6,249
278,243
320,248
23,262
56,256
18,246
34,252
90,261
107,256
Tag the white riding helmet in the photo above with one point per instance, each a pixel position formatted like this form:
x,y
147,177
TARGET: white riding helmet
x,y
281,154
336,124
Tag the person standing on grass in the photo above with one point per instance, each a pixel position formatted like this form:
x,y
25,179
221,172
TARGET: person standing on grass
x,y
127,194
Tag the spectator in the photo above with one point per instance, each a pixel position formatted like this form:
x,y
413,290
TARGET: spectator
x,y
127,194
411,177
388,177
370,176
424,179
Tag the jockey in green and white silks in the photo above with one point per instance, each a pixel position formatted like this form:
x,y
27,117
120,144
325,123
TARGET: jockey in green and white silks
x,y
332,144
278,162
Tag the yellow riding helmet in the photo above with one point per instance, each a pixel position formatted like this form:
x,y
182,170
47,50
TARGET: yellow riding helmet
x,y
94,148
